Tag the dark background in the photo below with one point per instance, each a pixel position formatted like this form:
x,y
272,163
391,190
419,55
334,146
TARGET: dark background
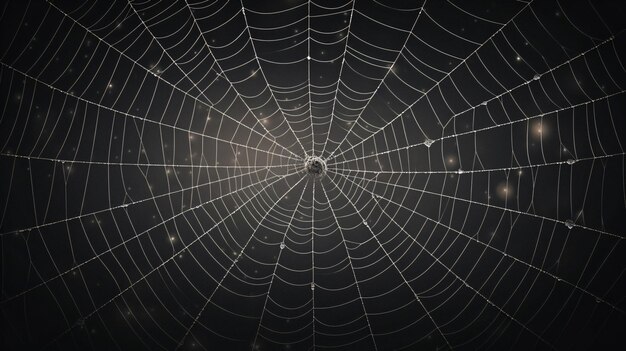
x,y
152,163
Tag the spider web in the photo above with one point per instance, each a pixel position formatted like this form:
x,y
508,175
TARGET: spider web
x,y
155,191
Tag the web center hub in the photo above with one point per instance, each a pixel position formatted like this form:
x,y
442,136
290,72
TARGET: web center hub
x,y
315,166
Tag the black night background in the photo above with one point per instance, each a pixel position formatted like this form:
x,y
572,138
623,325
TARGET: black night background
x,y
313,175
